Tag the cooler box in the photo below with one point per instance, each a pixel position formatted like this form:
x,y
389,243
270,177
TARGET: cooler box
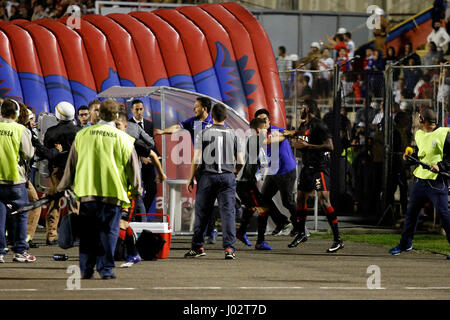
x,y
162,228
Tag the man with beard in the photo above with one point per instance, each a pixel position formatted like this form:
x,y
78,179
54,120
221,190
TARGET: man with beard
x,y
439,36
314,140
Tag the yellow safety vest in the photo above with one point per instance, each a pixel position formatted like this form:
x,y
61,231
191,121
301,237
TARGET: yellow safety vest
x,y
103,153
431,150
10,138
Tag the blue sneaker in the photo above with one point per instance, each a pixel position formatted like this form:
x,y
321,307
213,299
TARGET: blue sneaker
x,y
213,237
263,246
134,259
398,249
244,239
448,257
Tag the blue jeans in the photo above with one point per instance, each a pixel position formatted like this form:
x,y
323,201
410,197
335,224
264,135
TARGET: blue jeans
x,y
17,196
209,188
435,191
99,231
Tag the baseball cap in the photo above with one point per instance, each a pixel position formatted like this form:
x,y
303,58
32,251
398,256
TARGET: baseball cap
x,y
315,45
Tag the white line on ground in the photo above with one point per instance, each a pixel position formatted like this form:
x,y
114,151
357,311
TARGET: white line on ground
x,y
99,289
350,288
262,288
186,288
7,290
231,288
427,288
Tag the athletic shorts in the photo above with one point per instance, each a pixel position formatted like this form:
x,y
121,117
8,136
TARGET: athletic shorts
x,y
313,179
249,194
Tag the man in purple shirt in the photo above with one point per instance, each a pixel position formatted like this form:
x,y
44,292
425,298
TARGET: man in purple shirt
x,y
202,107
282,174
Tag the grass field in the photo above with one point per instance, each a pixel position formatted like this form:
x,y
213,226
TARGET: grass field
x,y
432,243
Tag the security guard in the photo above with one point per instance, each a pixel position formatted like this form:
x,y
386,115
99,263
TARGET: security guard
x,y
102,164
216,151
15,147
433,148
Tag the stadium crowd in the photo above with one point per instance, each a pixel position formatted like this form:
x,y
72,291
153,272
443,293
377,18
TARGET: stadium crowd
x,y
421,83
54,9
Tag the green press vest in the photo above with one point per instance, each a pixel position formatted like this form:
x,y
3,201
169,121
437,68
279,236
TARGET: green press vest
x,y
10,137
103,152
431,150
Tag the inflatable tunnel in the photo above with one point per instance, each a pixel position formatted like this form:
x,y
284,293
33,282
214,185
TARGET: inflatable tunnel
x,y
219,50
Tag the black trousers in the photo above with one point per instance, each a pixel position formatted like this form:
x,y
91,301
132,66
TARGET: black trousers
x,y
285,184
148,179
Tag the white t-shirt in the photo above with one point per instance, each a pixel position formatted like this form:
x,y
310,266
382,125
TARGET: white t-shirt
x,y
378,118
283,64
351,48
440,38
324,66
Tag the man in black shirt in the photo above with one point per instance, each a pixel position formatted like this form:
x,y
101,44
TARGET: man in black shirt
x,y
63,134
314,140
148,169
247,189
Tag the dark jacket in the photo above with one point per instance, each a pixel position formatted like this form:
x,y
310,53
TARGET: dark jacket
x,y
64,134
148,126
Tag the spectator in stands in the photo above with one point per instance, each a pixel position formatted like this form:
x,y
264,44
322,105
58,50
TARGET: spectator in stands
x,y
434,56
425,91
15,13
447,116
38,11
401,92
438,11
390,56
3,15
304,72
350,44
447,28
306,92
336,43
345,124
380,34
376,76
312,59
346,85
360,117
324,79
50,7
368,59
357,89
439,36
444,86
284,63
342,60
412,75
379,107
408,50
378,61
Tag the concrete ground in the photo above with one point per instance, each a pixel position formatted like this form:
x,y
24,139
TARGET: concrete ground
x,y
305,272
